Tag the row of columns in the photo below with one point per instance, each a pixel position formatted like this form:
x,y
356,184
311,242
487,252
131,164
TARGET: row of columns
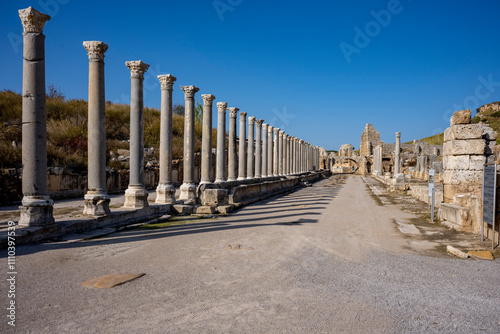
x,y
264,151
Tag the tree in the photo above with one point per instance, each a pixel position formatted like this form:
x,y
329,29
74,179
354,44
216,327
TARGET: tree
x,y
178,109
54,93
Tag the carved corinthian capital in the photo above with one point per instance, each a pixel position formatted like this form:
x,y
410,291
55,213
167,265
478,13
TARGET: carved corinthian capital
x,y
276,131
137,68
251,120
270,129
222,106
282,133
95,50
243,116
166,81
233,111
259,122
264,126
208,99
32,20
189,91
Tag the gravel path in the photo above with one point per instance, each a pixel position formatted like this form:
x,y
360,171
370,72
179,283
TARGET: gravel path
x,y
324,259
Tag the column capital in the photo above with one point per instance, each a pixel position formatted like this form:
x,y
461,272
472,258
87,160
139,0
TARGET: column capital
x,y
95,50
301,141
271,128
243,116
189,91
259,122
167,81
208,99
233,111
282,133
398,134
251,120
32,20
221,107
276,131
137,68
264,126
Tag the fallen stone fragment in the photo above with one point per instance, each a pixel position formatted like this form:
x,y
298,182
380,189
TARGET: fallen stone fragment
x,y
485,255
235,246
110,281
457,252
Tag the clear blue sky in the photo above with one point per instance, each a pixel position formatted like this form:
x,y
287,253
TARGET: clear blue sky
x,y
283,61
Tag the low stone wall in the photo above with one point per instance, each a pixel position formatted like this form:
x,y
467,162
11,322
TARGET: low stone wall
x,y
421,192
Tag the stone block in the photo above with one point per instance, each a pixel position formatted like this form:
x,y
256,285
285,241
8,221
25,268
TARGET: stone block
x,y
464,147
214,197
34,79
225,209
462,177
461,162
490,147
33,46
205,210
182,209
456,214
465,131
477,162
447,134
489,133
460,117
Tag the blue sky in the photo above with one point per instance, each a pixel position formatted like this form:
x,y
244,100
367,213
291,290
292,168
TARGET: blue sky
x,y
319,70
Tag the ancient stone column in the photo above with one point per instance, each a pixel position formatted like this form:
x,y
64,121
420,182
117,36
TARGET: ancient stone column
x,y
36,209
258,148
270,151
292,155
221,143
276,152
97,198
397,153
288,155
242,156
280,152
188,187
136,196
233,171
264,149
165,192
206,142
301,156
250,149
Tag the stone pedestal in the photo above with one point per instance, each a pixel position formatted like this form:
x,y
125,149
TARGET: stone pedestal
x,y
242,156
188,187
233,171
97,198
165,192
250,150
206,144
221,143
136,196
36,209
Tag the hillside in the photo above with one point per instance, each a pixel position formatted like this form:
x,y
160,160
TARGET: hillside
x,y
488,114
67,131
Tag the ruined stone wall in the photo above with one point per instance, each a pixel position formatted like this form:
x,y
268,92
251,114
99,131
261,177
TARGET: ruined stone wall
x,y
369,139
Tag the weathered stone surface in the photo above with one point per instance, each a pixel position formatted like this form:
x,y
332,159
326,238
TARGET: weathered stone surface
x,y
489,133
456,214
460,117
214,197
464,131
462,177
485,255
464,147
369,139
457,252
110,281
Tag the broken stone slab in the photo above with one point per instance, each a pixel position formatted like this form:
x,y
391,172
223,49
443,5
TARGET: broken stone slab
x,y
205,209
485,255
461,117
457,252
182,209
225,209
110,281
407,228
455,214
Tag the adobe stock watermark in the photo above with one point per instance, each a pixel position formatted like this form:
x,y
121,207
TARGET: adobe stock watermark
x,y
11,273
281,118
363,37
223,6
49,7
484,89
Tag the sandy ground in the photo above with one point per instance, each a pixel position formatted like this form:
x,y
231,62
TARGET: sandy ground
x,y
324,259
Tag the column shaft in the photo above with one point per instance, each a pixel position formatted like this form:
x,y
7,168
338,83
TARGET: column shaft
x,y
206,144
258,148
250,150
221,142
276,152
232,173
270,151
242,156
397,153
264,149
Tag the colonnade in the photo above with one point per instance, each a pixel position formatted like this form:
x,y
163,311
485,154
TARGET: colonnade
x,y
264,151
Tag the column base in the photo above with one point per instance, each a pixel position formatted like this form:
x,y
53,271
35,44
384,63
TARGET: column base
x,y
136,197
188,193
165,194
220,181
36,211
96,205
241,178
232,179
